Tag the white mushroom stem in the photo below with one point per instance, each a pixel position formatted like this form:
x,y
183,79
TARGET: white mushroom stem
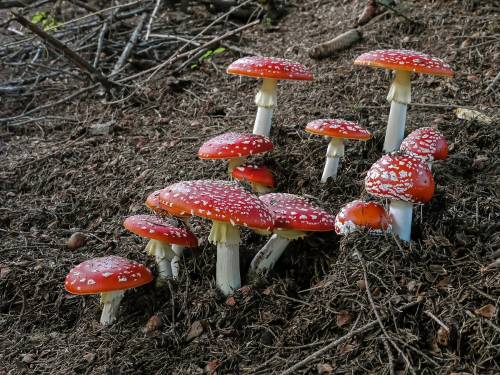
x,y
401,213
399,96
333,154
260,189
233,163
163,254
179,250
110,302
227,238
266,258
266,100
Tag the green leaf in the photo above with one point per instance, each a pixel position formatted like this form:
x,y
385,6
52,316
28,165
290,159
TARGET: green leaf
x,y
194,66
206,55
38,17
219,50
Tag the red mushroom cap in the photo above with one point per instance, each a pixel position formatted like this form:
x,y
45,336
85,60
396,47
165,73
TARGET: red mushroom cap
x,y
217,200
426,143
407,60
269,67
150,226
106,274
234,145
153,202
254,173
402,177
362,215
337,128
294,212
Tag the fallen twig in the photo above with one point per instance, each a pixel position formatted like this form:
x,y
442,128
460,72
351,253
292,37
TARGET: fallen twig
x,y
151,18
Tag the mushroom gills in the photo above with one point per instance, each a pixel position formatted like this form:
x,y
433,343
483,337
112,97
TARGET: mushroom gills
x,y
333,154
164,255
399,96
227,238
110,302
266,100
401,213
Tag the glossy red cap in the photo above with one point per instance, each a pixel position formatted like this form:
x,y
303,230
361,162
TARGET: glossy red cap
x,y
337,128
359,215
153,202
426,143
106,274
269,67
254,173
402,177
294,212
407,60
153,227
217,200
234,145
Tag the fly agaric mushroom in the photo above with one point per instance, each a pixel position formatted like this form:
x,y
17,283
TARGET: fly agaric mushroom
x,y
359,215
337,130
235,147
228,205
259,177
271,69
162,235
405,180
108,276
428,144
294,217
403,62
153,203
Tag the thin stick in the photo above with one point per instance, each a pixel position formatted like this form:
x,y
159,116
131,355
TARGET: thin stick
x,y
100,40
342,339
437,320
153,15
493,83
129,47
389,355
65,50
391,8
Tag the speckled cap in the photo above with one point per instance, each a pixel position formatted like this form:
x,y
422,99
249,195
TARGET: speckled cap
x,y
234,145
269,67
338,128
426,143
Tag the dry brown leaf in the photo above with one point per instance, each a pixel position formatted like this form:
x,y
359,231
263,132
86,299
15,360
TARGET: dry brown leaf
x,y
231,301
487,311
442,337
343,318
76,241
325,369
195,330
472,115
153,324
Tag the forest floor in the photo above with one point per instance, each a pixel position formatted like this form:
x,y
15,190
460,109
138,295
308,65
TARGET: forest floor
x,y
57,176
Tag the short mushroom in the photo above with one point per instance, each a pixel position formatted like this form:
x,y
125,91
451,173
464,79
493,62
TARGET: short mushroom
x,y
359,216
294,218
108,276
235,147
271,69
153,203
337,130
426,143
258,176
403,62
405,180
228,206
162,235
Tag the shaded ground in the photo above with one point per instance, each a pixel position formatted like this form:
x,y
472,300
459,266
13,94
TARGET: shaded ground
x,y
57,178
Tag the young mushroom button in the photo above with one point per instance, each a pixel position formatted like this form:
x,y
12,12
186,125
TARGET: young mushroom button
x,y
235,147
271,69
427,143
228,206
362,216
403,62
108,276
337,130
294,217
162,235
405,180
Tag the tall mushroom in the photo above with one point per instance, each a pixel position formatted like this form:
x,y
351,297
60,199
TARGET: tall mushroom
x,y
294,218
235,147
403,62
162,235
427,143
337,130
362,216
258,176
108,276
270,69
405,180
228,206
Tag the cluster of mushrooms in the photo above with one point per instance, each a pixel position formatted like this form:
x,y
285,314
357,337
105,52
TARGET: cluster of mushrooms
x,y
403,175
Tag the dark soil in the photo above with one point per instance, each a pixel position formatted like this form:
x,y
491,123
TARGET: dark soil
x,y
58,178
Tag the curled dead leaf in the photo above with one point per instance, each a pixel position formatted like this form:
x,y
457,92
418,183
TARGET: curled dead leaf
x,y
195,330
472,115
153,324
343,318
487,311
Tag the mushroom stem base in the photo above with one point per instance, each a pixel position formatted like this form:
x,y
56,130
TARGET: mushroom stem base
x,y
228,277
110,303
267,257
401,213
263,121
331,168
